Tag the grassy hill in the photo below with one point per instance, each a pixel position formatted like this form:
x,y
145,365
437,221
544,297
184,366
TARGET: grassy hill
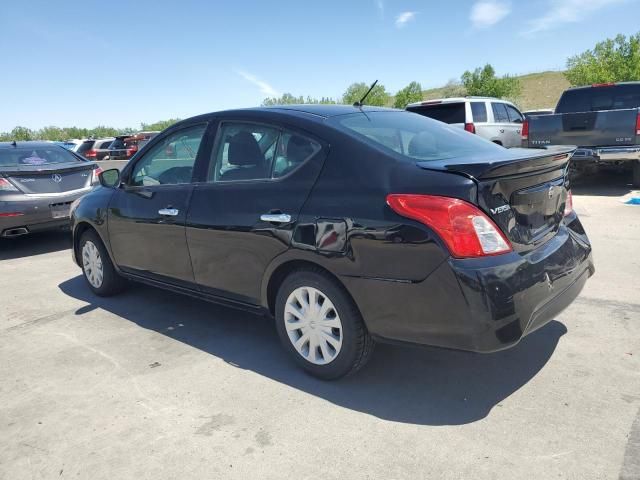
x,y
539,90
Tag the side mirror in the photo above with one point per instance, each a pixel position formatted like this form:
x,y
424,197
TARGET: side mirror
x,y
110,178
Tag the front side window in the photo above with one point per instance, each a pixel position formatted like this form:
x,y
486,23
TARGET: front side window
x,y
247,151
171,160
499,113
417,137
514,115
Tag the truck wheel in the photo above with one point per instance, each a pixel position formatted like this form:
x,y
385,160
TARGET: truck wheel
x,y
636,173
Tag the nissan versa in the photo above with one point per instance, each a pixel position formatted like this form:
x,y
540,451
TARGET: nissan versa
x,y
347,225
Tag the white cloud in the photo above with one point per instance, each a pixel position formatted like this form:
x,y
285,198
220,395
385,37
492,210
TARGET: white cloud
x,y
264,87
566,11
380,7
486,13
405,17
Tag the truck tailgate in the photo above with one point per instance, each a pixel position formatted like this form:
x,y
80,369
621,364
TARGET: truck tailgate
x,y
584,129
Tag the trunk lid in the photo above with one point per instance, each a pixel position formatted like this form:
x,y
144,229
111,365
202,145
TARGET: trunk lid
x,y
523,191
50,179
584,129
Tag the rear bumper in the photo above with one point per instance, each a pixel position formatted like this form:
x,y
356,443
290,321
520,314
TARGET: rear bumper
x,y
35,213
480,305
607,154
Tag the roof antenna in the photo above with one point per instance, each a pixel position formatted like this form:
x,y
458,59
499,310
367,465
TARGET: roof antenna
x,y
360,104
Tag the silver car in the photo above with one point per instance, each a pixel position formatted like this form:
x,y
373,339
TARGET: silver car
x,y
492,118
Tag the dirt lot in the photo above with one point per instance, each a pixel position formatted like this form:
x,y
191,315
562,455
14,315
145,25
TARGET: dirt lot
x,y
154,385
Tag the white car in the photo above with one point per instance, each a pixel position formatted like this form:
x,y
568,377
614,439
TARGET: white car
x,y
492,118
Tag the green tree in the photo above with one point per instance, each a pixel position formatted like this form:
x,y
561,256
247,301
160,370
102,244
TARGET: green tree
x,y
21,133
612,60
378,96
483,82
289,99
157,126
409,94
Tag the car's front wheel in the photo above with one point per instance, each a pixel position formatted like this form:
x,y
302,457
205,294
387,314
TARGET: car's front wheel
x,y
97,267
320,326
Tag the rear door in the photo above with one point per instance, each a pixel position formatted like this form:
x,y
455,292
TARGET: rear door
x,y
502,129
244,215
515,125
147,214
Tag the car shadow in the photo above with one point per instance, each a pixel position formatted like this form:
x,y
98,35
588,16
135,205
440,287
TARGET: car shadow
x,y
603,183
34,244
425,386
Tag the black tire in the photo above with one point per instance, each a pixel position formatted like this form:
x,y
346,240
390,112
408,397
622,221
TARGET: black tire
x,y
636,173
112,283
357,344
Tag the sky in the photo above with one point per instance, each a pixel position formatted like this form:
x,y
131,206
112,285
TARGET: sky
x,y
119,63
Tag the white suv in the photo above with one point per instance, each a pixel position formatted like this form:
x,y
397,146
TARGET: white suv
x,y
491,118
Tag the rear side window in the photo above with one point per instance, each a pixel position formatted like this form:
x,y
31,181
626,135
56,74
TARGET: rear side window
x,y
445,112
105,144
600,98
499,113
416,137
247,151
479,111
117,143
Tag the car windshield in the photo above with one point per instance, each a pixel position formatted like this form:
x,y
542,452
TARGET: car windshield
x,y
413,136
15,157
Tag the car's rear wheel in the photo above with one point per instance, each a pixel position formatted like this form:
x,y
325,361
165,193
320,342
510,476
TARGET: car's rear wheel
x,y
97,267
320,326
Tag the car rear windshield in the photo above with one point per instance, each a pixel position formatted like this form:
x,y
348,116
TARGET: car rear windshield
x,y
452,112
592,99
15,157
413,137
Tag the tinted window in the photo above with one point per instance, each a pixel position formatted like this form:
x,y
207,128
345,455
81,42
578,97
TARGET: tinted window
x,y
36,156
118,143
600,98
514,115
444,112
170,161
499,113
104,145
417,137
479,111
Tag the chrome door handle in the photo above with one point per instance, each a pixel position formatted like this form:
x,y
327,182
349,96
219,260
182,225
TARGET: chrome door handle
x,y
517,131
275,217
502,130
170,212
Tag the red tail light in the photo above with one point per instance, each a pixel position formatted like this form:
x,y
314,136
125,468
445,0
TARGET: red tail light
x,y
94,176
525,130
466,230
568,206
470,127
638,124
11,214
7,186
132,150
90,153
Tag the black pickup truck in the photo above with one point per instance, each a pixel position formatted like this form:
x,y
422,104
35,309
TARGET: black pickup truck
x,y
602,120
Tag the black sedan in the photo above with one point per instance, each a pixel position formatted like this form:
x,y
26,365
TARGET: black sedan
x,y
347,225
38,183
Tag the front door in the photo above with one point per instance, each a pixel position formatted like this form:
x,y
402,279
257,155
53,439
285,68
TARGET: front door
x,y
147,213
245,214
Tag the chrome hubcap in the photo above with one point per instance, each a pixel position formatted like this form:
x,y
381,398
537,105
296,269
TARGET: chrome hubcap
x,y
92,264
313,325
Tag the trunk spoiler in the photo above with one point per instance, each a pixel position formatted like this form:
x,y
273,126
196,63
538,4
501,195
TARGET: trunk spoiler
x,y
513,161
